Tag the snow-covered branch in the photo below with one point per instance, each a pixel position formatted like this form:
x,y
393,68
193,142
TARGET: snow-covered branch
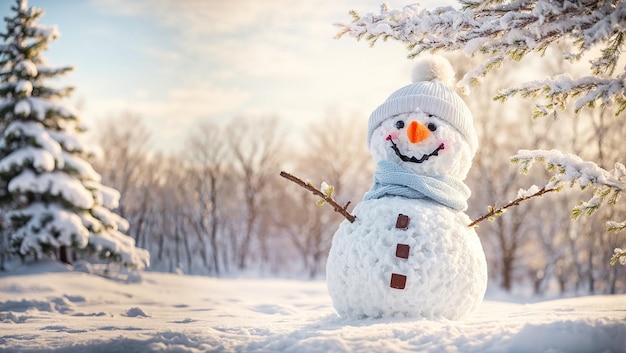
x,y
559,90
570,170
619,254
510,30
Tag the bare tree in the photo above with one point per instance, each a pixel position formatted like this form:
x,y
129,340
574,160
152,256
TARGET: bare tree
x,y
128,164
125,143
336,153
308,228
172,203
490,180
256,148
206,148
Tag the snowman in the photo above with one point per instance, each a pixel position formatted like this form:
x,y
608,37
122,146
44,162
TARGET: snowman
x,y
410,251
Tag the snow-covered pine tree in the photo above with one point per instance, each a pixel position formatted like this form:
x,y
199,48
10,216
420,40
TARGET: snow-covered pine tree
x,y
52,199
508,30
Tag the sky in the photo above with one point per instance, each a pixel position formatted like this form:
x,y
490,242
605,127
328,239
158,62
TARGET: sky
x,y
178,62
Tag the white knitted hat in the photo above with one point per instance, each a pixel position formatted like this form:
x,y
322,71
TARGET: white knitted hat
x,y
430,92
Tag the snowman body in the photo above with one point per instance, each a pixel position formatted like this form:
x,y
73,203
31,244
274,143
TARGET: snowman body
x,y
410,252
430,266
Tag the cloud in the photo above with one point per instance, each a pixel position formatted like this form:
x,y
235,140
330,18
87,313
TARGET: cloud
x,y
248,57
183,103
170,118
217,16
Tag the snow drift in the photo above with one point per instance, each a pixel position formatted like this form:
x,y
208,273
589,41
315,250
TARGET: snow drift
x,y
48,308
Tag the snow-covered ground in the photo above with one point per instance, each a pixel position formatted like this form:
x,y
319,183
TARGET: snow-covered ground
x,y
45,307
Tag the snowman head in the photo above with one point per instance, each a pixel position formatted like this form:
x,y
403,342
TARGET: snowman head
x,y
425,126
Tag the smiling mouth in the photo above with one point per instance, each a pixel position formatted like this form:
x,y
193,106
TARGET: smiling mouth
x,y
413,159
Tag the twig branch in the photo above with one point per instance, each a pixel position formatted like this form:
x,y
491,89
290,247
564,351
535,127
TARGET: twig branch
x,y
336,207
493,211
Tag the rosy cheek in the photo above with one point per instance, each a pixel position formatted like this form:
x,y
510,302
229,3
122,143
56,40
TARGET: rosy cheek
x,y
393,135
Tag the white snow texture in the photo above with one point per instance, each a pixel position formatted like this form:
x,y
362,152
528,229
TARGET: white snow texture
x,y
446,269
46,308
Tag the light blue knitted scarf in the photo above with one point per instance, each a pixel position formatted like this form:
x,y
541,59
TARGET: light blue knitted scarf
x,y
390,179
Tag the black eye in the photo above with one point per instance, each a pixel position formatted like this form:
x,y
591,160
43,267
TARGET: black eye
x,y
399,124
432,127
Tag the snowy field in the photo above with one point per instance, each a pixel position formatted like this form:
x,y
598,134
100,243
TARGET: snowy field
x,y
45,307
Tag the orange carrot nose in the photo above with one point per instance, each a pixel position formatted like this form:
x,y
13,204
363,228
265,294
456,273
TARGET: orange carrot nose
x,y
417,132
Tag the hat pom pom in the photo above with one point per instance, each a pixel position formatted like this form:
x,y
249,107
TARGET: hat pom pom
x,y
432,68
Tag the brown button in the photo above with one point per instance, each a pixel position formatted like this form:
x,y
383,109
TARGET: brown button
x,y
397,281
402,251
402,222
